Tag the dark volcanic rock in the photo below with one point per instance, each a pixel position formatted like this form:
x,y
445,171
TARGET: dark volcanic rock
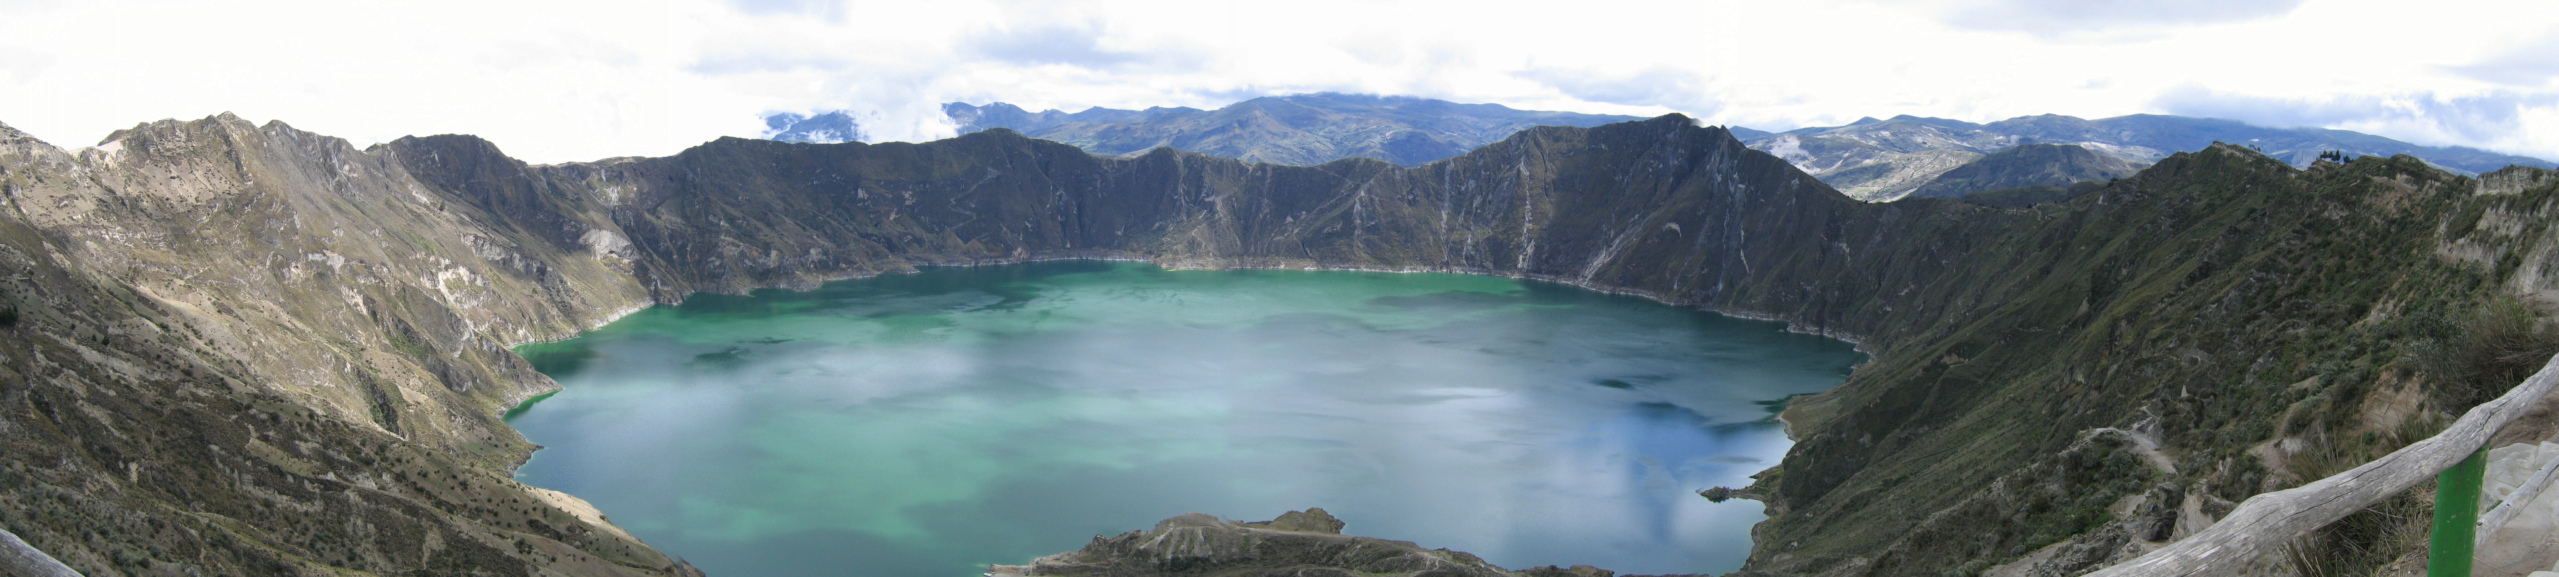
x,y
1202,545
1299,543
1313,520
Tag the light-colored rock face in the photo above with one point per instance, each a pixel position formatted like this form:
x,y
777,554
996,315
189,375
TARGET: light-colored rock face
x,y
1900,174
1882,161
1885,160
2515,180
288,266
271,234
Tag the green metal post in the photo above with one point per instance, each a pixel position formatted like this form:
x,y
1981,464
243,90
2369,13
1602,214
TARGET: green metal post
x,y
2456,517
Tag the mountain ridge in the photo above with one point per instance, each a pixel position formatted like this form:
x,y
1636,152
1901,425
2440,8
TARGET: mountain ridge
x,y
1301,130
1871,159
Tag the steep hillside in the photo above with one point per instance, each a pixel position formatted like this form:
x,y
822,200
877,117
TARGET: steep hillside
x,y
1885,159
2027,165
244,350
2196,305
1305,129
2202,304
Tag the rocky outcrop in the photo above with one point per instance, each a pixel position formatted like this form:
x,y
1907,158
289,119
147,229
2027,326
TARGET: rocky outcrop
x,y
1299,543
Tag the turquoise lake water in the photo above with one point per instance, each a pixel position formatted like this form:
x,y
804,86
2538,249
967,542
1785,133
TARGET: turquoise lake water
x,y
932,423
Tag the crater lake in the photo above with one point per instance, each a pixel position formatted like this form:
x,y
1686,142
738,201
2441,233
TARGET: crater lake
x,y
929,424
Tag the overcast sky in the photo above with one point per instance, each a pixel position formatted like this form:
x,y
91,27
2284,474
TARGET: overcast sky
x,y
582,80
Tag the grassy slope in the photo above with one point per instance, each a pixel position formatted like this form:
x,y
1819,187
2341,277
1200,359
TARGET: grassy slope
x,y
2198,293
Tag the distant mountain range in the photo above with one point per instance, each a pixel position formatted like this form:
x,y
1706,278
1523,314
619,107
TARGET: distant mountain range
x,y
1874,160
1300,130
1305,129
1880,160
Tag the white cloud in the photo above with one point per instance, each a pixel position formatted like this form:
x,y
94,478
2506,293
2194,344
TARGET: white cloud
x,y
2496,120
2529,65
1679,89
2109,19
582,79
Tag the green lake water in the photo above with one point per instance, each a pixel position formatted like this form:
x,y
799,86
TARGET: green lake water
x,y
932,423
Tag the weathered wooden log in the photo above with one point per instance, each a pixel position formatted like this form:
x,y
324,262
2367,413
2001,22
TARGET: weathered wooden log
x,y
2267,521
19,558
2514,503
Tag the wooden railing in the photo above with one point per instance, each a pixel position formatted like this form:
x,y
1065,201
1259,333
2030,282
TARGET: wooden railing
x,y
19,558
2268,521
2505,510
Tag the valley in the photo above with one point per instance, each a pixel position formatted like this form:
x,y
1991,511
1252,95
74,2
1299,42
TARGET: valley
x,y
263,350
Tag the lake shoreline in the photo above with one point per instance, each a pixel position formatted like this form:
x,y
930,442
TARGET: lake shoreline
x,y
1424,301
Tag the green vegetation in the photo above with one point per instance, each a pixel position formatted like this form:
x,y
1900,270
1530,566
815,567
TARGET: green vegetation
x,y
2026,196
2485,351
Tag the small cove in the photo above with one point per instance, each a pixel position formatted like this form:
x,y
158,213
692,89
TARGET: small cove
x,y
929,424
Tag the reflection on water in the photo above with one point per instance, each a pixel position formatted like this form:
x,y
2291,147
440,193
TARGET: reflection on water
x,y
929,424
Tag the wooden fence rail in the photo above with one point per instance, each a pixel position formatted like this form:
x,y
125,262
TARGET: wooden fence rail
x,y
2265,522
19,558
2515,502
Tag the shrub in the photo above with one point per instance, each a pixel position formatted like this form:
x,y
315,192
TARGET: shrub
x,y
2491,350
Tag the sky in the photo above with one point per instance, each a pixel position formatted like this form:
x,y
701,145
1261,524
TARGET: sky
x,y
559,81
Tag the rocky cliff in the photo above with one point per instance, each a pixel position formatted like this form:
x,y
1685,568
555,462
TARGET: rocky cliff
x,y
247,350
265,351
